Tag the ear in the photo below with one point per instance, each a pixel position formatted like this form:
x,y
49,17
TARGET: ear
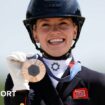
x,y
35,36
75,32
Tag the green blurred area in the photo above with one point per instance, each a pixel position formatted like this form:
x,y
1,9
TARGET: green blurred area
x,y
3,76
2,81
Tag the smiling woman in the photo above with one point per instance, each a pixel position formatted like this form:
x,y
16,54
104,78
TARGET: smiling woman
x,y
55,35
54,25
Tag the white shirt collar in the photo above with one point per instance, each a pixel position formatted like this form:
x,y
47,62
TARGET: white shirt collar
x,y
63,64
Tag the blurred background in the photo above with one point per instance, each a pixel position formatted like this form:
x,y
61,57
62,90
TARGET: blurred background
x,y
90,49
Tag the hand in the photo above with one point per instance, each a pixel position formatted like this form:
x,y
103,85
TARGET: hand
x,y
15,62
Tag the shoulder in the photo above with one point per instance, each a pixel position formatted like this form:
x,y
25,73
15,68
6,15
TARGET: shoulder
x,y
95,82
92,76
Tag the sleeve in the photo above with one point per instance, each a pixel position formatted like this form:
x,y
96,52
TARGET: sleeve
x,y
96,86
101,90
20,97
14,98
8,87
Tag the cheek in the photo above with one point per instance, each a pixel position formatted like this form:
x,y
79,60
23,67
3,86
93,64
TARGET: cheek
x,y
35,36
38,37
42,39
72,33
70,36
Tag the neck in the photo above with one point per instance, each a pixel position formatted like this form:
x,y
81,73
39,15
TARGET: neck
x,y
63,57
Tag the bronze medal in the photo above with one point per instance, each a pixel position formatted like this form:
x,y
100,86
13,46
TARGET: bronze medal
x,y
33,70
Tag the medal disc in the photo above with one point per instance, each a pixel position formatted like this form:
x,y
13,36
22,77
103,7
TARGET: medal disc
x,y
33,70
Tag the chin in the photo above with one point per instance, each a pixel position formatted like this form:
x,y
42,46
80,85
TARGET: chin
x,y
56,54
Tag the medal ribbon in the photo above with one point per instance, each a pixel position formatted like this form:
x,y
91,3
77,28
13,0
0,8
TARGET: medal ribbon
x,y
74,68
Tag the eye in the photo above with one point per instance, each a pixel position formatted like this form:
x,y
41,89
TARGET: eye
x,y
45,25
64,25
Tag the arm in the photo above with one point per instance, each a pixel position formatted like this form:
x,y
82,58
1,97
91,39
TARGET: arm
x,y
96,85
8,87
20,96
101,89
16,82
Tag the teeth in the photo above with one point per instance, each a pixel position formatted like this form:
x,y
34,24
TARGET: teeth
x,y
56,40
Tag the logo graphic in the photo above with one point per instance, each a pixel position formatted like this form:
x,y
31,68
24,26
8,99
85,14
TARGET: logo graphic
x,y
80,93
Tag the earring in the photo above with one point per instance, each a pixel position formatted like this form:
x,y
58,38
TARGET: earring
x,y
73,41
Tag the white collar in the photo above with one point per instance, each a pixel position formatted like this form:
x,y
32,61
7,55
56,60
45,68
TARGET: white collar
x,y
63,64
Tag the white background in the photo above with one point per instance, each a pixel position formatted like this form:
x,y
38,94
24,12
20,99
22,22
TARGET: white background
x,y
90,49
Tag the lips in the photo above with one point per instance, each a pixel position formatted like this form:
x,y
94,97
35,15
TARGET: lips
x,y
56,41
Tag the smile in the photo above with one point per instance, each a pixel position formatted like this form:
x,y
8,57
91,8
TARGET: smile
x,y
56,41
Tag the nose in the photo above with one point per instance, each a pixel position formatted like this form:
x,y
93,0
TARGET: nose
x,y
55,28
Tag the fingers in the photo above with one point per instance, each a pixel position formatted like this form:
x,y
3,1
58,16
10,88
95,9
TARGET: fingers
x,y
17,56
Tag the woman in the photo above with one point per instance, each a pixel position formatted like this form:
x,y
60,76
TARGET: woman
x,y
54,27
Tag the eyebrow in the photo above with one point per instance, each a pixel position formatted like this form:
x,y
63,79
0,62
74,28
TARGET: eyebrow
x,y
44,19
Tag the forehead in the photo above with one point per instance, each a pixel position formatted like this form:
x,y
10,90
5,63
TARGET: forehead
x,y
53,19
